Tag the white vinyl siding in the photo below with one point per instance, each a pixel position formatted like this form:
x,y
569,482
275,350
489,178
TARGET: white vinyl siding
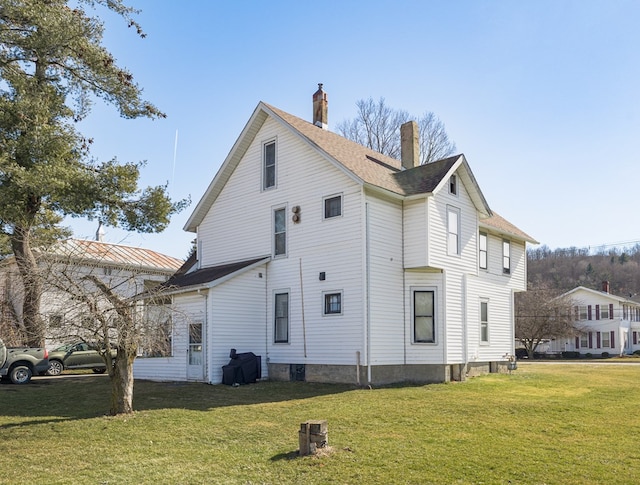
x,y
237,320
385,277
500,320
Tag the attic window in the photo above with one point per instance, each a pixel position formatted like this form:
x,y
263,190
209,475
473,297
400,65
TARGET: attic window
x,y
453,185
269,165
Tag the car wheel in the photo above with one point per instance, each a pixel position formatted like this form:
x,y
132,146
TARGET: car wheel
x,y
20,374
55,368
99,370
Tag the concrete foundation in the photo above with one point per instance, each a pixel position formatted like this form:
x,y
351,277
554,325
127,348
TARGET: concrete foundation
x,y
383,374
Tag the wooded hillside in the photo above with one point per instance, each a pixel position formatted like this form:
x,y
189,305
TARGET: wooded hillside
x,y
564,269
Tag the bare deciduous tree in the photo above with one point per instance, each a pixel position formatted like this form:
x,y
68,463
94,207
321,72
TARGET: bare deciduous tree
x,y
377,126
541,315
118,311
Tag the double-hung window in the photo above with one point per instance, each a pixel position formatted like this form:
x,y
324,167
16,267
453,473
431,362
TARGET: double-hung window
x,y
424,329
281,318
506,257
484,322
269,165
453,231
279,232
482,250
606,342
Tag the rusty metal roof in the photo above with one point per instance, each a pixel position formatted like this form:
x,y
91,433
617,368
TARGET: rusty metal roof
x,y
96,252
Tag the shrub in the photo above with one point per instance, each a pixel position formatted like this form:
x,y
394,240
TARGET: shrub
x,y
636,352
605,355
570,354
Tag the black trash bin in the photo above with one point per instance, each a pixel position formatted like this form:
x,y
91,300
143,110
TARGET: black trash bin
x,y
244,368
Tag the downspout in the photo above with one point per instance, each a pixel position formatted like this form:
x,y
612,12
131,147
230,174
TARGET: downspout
x,y
404,295
368,292
266,316
465,314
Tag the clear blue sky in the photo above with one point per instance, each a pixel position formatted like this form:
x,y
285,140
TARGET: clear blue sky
x,y
543,97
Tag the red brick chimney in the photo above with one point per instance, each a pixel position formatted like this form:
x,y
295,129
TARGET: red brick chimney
x,y
320,108
605,286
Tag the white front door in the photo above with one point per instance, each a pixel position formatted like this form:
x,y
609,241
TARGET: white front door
x,y
195,352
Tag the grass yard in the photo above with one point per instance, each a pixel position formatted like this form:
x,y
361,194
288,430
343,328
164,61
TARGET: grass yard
x,y
544,424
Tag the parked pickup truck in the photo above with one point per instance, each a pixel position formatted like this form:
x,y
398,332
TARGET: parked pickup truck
x,y
20,363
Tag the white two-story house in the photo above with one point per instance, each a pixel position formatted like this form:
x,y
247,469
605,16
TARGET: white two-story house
x,y
609,324
336,263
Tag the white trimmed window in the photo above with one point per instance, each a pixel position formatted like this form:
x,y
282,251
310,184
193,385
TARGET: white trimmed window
x,y
453,185
453,231
279,232
582,312
269,165
606,341
484,321
281,318
584,341
332,303
482,250
332,206
506,257
424,326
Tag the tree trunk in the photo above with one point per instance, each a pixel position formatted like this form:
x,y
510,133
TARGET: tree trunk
x,y
122,384
28,268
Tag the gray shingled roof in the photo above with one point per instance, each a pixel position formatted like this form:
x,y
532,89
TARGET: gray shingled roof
x,y
184,278
364,164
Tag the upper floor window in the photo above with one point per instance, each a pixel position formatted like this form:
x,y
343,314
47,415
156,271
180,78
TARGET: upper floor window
x,y
424,328
604,312
506,257
269,165
453,185
582,313
484,321
279,232
333,303
482,250
453,230
332,206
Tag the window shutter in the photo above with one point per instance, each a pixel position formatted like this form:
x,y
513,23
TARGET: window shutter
x,y
635,338
598,339
597,312
590,340
611,311
577,343
589,312
613,339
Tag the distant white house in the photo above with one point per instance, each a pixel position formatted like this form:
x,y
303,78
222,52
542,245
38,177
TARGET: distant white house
x,y
130,270
336,263
610,323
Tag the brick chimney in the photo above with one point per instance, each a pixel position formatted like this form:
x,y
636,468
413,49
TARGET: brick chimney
x,y
320,108
605,286
409,146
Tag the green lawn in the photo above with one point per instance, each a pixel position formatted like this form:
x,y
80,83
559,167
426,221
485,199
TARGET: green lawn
x,y
544,424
